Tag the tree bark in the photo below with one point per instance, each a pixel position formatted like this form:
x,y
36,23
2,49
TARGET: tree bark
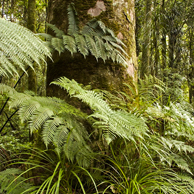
x,y
156,36
118,16
163,40
191,61
145,65
31,24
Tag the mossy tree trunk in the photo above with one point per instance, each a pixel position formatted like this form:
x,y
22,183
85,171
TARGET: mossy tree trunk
x,y
145,65
156,65
31,24
163,40
117,15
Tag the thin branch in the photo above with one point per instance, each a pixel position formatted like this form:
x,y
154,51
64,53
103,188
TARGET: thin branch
x,y
12,126
13,87
8,120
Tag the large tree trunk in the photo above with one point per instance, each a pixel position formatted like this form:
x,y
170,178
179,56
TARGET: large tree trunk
x,y
117,15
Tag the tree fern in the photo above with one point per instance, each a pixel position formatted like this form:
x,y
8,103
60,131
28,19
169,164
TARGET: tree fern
x,y
14,52
59,121
113,123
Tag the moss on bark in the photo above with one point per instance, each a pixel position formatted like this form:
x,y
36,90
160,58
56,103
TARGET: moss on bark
x,y
31,24
120,17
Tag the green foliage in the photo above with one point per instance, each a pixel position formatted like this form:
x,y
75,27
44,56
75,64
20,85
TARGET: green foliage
x,y
146,92
10,183
15,53
52,171
94,38
156,157
60,122
113,122
138,143
142,176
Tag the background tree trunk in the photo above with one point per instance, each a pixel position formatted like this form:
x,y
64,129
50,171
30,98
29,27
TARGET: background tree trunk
x,y
191,61
163,40
145,65
118,16
31,24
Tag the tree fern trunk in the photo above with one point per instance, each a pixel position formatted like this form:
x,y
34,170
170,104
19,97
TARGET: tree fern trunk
x,y
118,16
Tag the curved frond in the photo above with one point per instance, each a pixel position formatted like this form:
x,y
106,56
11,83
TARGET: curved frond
x,y
60,122
70,44
113,123
72,19
101,48
92,46
48,37
94,38
14,52
57,44
81,44
59,33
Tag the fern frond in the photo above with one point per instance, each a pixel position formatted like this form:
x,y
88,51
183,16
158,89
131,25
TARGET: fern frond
x,y
172,152
59,121
57,44
59,33
49,129
120,58
72,19
7,90
98,27
70,44
95,38
102,26
181,163
110,32
92,46
60,137
81,44
118,47
14,50
113,123
47,37
39,117
26,111
178,145
88,30
101,48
